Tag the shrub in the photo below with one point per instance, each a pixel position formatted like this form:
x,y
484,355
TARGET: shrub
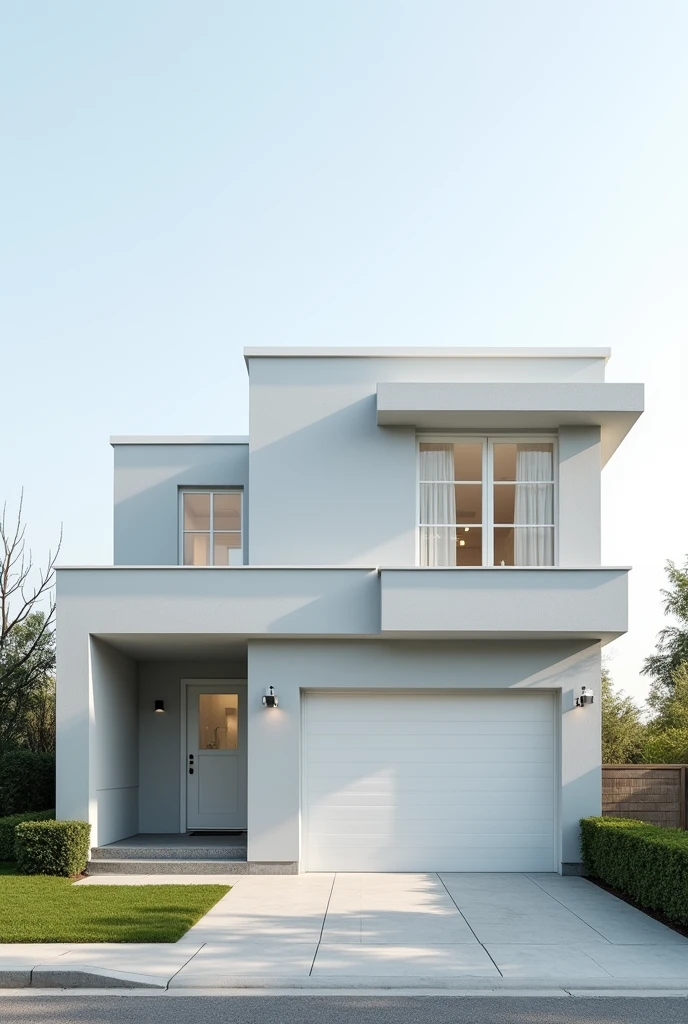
x,y
8,825
52,847
645,862
27,782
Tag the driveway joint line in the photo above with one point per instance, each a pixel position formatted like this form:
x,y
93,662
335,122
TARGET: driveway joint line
x,y
469,924
185,964
322,928
599,964
570,911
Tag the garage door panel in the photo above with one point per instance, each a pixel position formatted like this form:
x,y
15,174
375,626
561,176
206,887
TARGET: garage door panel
x,y
416,708
368,773
392,857
369,825
418,782
457,747
450,728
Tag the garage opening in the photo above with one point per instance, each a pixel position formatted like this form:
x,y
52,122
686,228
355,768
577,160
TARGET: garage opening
x,y
429,781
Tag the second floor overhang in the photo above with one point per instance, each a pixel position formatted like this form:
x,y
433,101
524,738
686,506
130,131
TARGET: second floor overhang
x,y
614,408
271,602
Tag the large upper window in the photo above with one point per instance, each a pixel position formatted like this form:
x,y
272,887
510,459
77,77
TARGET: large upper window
x,y
486,501
211,528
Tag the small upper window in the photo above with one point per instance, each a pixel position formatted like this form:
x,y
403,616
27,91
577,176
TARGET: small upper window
x,y
211,528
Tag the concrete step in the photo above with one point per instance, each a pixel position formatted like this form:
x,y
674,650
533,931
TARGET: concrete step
x,y
168,853
168,866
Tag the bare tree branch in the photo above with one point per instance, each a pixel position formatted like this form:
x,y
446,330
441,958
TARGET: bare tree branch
x,y
16,566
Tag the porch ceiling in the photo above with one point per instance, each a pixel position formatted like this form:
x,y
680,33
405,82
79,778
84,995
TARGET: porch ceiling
x,y
189,646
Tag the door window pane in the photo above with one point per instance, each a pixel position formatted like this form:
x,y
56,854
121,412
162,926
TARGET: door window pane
x,y
524,545
196,549
469,545
469,504
226,512
452,461
227,549
451,545
438,545
218,721
523,461
524,504
196,511
446,504
468,461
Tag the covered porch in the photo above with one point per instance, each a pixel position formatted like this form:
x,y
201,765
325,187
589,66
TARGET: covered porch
x,y
168,749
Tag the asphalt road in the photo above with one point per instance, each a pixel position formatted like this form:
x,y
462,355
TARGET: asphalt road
x,y
68,1009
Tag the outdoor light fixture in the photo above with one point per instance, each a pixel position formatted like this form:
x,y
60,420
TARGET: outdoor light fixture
x,y
159,706
586,697
270,698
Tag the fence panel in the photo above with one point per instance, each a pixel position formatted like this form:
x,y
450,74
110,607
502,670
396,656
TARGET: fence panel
x,y
655,793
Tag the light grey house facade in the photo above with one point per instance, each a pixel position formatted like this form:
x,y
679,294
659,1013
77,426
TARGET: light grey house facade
x,y
406,548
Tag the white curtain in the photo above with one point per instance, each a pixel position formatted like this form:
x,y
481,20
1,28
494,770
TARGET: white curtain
x,y
534,541
437,506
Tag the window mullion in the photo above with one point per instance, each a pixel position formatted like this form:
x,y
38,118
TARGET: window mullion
x,y
211,538
488,514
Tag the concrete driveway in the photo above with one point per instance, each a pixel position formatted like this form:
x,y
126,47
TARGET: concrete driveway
x,y
473,931
358,928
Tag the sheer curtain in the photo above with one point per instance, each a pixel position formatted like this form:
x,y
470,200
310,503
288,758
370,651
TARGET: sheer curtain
x,y
533,508
437,506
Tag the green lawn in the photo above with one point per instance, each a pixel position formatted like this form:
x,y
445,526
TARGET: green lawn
x,y
36,908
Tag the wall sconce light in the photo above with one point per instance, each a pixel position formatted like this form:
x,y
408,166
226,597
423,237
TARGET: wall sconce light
x,y
159,706
587,697
270,698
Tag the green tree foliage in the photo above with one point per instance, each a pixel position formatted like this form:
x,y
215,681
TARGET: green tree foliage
x,y
27,643
27,662
622,726
672,642
666,736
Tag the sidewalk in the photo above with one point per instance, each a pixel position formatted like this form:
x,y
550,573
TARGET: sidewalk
x,y
477,932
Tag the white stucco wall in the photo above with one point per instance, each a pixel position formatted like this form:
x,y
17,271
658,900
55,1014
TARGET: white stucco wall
x,y
579,496
274,738
346,486
147,481
114,751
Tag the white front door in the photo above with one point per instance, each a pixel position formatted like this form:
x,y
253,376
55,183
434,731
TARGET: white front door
x,y
216,756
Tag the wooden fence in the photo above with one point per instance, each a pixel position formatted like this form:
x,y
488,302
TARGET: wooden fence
x,y
655,793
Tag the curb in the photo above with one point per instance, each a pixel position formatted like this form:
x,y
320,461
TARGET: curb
x,y
78,977
101,978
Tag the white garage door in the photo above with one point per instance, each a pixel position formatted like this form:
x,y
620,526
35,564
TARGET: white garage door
x,y
429,782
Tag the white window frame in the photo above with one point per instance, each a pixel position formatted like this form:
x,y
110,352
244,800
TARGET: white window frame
x,y
488,442
211,531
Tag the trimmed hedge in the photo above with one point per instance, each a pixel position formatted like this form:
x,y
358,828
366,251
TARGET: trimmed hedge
x,y
27,782
645,862
52,847
8,825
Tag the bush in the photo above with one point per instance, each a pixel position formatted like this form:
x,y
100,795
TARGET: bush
x,y
645,862
52,847
8,825
27,782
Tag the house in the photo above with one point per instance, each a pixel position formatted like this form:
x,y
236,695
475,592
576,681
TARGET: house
x,y
405,554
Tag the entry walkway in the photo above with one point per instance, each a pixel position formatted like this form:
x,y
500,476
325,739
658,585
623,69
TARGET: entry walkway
x,y
488,931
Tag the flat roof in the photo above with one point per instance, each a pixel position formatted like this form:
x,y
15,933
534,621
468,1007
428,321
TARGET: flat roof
x,y
393,352
179,439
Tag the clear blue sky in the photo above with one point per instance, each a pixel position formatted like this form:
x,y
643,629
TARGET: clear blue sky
x,y
184,179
